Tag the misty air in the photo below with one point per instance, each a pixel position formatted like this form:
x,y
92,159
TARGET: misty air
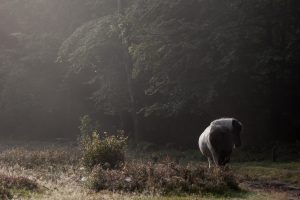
x,y
149,99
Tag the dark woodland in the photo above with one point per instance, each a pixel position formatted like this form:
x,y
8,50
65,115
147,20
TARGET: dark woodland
x,y
161,70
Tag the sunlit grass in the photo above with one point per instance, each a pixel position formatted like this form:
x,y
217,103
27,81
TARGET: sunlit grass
x,y
37,158
249,196
59,175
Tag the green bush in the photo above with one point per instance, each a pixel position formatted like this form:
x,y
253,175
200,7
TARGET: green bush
x,y
105,150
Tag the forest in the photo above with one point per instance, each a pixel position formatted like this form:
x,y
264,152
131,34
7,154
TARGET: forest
x,y
159,70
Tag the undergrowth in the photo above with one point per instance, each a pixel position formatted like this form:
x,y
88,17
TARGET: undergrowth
x,y
164,178
97,148
16,184
105,150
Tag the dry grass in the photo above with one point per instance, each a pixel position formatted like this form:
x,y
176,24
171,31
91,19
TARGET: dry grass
x,y
17,182
165,177
46,166
38,158
57,171
5,193
16,186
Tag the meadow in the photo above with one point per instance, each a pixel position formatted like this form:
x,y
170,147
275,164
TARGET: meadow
x,y
53,170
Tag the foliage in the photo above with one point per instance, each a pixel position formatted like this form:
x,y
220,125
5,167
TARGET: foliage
x,y
158,69
87,126
104,150
163,178
95,47
185,59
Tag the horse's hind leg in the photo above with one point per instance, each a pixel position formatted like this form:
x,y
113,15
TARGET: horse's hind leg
x,y
215,157
209,162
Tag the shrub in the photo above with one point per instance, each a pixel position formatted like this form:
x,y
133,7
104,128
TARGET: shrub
x,y
105,150
162,178
221,181
130,178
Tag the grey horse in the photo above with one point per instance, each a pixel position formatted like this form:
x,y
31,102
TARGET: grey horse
x,y
218,140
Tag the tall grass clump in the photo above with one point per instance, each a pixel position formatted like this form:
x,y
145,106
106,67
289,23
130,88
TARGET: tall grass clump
x,y
105,150
101,148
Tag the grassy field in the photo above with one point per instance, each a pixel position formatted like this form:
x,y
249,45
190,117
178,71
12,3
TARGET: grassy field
x,y
288,173
58,174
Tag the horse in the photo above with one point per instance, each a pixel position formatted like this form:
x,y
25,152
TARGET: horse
x,y
218,140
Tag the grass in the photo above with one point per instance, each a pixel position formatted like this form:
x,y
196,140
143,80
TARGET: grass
x,y
17,186
42,157
57,171
270,171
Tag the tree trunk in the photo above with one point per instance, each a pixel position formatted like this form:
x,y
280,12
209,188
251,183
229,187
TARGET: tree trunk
x,y
128,69
132,101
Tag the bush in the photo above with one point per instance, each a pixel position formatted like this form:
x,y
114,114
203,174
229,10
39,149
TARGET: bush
x,y
163,178
105,150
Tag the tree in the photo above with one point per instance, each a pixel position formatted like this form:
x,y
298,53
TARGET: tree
x,y
96,47
160,69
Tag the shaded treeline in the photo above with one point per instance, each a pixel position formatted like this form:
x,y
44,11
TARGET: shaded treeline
x,y
161,70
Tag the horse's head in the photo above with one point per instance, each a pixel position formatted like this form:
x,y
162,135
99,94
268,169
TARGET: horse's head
x,y
236,132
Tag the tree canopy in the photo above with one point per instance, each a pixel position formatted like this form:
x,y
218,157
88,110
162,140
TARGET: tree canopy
x,y
160,70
